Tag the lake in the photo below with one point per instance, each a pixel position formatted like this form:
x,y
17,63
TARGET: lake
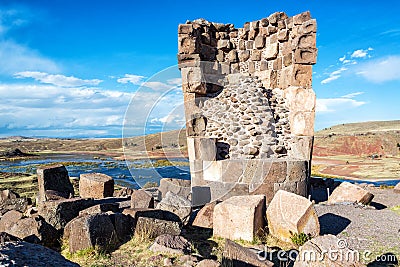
x,y
134,174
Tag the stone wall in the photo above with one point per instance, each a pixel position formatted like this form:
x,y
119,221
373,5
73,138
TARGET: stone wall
x,y
248,91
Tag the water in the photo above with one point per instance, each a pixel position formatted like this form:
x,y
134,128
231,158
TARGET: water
x,y
375,183
125,173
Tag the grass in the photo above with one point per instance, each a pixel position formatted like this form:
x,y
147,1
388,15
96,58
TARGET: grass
x,y
158,163
396,209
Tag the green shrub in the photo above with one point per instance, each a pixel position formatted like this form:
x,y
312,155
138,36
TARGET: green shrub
x,y
300,239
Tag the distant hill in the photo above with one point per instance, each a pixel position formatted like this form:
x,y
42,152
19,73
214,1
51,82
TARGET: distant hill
x,y
361,128
360,139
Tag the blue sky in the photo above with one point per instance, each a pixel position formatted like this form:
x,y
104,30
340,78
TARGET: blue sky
x,y
70,68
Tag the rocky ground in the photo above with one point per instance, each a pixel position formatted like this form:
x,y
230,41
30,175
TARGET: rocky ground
x,y
374,228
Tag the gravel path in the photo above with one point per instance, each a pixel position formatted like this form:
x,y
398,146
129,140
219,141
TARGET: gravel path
x,y
374,228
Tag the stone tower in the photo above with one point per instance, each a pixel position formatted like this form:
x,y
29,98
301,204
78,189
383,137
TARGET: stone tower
x,y
249,105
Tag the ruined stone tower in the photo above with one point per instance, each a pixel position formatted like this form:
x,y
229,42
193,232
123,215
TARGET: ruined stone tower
x,y
249,105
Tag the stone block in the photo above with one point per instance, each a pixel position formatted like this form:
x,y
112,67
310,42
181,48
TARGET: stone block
x,y
9,219
200,148
239,217
302,75
244,55
307,56
177,186
233,56
301,18
196,173
89,231
18,204
308,27
15,252
348,192
256,55
185,28
59,212
53,177
313,253
301,147
188,45
224,45
193,81
289,214
204,217
153,227
176,204
287,60
283,35
305,41
271,51
300,99
236,255
297,170
231,171
142,200
302,123
96,185
259,42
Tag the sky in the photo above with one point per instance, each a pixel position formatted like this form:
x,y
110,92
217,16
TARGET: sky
x,y
73,68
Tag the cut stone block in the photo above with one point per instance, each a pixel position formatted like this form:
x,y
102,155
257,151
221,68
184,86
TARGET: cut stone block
x,y
53,177
236,255
90,231
59,212
201,148
141,199
176,204
177,186
240,217
290,214
204,218
348,192
319,251
96,185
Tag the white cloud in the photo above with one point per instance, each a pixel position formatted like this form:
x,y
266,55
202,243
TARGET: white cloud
x,y
158,86
175,81
16,58
338,104
361,53
131,78
381,70
342,59
57,79
154,85
41,109
352,95
334,75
